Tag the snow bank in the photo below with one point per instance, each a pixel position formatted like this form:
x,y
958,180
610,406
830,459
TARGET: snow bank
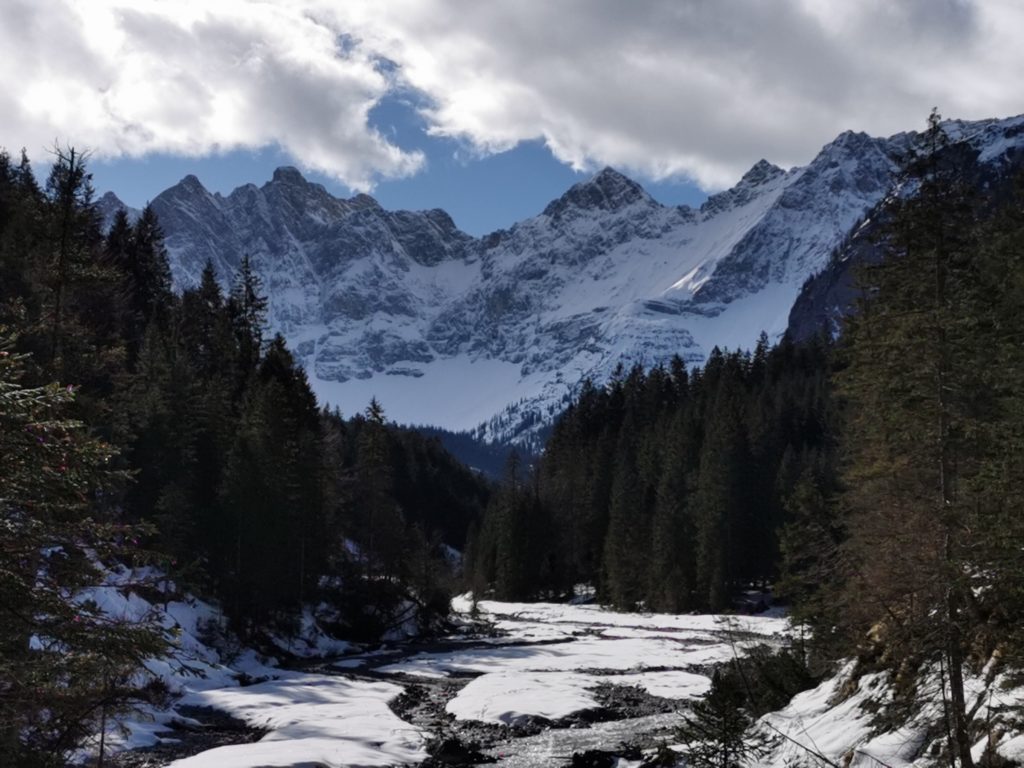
x,y
290,706
313,720
508,697
835,720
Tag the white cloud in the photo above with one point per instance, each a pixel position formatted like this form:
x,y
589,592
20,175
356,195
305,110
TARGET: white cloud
x,y
697,88
192,78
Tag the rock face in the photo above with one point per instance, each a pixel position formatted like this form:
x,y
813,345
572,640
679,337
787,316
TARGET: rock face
x,y
495,332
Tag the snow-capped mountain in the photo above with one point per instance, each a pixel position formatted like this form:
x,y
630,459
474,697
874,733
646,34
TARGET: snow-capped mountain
x,y
457,331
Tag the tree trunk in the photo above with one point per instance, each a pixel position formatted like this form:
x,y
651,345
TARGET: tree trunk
x,y
958,701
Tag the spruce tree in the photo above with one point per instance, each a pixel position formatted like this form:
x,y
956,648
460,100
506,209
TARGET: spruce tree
x,y
720,495
672,561
716,730
247,306
63,661
271,495
628,535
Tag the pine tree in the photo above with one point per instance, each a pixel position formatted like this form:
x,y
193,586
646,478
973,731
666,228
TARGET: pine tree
x,y
74,233
627,536
139,258
715,731
63,662
21,206
672,560
719,497
208,342
382,528
247,306
162,404
271,495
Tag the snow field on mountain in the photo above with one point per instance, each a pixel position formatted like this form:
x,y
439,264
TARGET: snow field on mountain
x,y
395,303
459,392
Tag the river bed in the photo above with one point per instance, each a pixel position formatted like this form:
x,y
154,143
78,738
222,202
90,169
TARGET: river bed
x,y
546,681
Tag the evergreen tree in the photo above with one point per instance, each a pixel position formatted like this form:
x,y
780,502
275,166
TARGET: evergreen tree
x,y
138,256
719,497
382,525
21,206
247,306
271,494
628,533
64,663
715,731
208,342
162,412
672,563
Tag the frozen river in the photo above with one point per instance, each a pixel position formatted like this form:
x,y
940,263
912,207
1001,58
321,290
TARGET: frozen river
x,y
552,680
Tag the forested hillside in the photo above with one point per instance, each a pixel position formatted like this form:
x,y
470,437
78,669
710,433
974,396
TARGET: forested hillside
x,y
140,426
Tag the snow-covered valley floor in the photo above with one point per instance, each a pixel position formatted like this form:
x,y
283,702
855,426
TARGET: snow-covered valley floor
x,y
551,680
526,684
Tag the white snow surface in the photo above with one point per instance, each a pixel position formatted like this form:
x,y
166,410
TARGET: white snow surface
x,y
548,665
554,655
835,720
507,697
313,720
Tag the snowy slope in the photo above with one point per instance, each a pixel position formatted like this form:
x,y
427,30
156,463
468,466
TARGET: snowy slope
x,y
496,332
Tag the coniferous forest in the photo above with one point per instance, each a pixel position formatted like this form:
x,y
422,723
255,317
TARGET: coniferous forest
x,y
666,488
138,426
873,480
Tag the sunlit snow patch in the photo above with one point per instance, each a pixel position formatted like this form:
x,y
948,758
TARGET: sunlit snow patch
x,y
313,720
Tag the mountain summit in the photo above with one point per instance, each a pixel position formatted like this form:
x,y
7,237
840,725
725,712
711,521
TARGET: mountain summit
x,y
609,190
496,332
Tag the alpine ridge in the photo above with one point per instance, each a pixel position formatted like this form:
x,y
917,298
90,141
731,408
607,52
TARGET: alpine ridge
x,y
493,334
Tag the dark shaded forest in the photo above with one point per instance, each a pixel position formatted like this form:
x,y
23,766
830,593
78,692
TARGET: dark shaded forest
x,y
140,426
666,488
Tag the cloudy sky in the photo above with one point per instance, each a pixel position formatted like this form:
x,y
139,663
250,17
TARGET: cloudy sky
x,y
487,108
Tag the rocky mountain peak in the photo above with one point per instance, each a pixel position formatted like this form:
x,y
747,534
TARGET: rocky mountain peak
x,y
363,201
761,173
608,191
850,141
110,199
108,207
751,185
191,183
289,174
